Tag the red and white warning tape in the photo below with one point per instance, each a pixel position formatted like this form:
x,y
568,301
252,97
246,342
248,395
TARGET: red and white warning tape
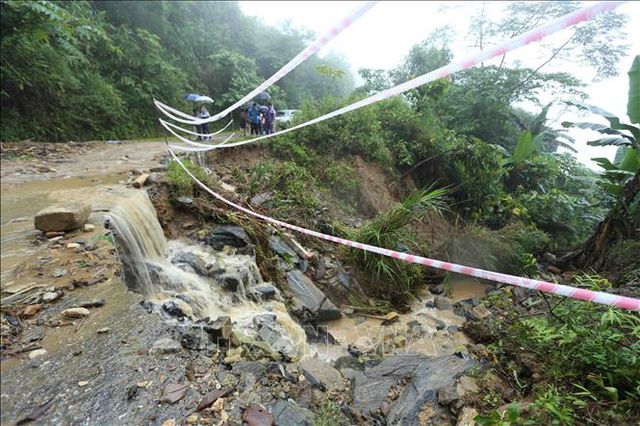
x,y
529,37
305,54
563,290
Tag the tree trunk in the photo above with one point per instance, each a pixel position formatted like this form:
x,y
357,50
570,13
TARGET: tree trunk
x,y
620,223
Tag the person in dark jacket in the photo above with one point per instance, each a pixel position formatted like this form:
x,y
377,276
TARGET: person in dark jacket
x,y
253,113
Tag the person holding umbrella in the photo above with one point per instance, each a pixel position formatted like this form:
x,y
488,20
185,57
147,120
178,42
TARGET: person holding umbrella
x,y
253,113
204,127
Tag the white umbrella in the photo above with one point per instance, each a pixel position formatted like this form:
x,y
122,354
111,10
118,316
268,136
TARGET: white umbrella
x,y
203,99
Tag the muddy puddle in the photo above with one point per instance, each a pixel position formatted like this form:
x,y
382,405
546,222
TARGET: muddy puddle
x,y
424,330
19,203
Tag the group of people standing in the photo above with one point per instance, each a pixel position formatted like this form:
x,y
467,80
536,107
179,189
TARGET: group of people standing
x,y
258,120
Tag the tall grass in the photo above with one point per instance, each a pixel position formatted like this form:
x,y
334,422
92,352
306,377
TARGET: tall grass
x,y
391,279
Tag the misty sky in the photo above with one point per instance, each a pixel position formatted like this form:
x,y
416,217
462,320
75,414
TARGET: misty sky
x,y
384,35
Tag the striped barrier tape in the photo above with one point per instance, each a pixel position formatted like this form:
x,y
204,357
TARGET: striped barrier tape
x,y
563,290
534,35
305,54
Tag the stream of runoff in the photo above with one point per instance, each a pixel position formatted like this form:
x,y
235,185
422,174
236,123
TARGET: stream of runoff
x,y
191,277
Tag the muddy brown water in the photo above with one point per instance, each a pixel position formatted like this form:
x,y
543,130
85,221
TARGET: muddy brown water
x,y
26,378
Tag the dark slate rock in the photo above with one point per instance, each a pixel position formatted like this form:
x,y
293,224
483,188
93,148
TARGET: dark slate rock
x,y
187,258
442,303
312,302
195,339
263,292
256,368
227,235
286,413
430,376
348,362
173,308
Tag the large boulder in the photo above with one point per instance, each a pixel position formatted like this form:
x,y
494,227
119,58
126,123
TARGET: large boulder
x,y
424,376
61,218
310,302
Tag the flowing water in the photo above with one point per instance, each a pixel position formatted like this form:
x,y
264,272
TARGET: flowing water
x,y
155,269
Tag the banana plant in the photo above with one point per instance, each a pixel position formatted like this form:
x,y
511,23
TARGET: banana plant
x,y
616,175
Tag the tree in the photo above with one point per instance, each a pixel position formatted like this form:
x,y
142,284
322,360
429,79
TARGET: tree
x,y
621,180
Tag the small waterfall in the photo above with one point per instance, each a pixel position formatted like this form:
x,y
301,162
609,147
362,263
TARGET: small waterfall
x,y
193,276
138,238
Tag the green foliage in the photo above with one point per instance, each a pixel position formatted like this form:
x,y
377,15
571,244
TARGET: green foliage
x,y
633,103
507,417
89,70
329,414
293,187
392,279
589,353
182,184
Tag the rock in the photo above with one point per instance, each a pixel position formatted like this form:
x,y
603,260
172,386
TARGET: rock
x,y
554,270
220,329
227,235
255,415
195,339
90,247
466,418
260,199
32,335
185,200
263,292
113,142
62,217
437,289
230,282
169,422
257,369
453,329
177,308
291,414
430,304
50,297
447,395
165,346
323,373
344,279
442,303
198,264
83,383
424,377
470,309
311,302
95,303
399,341
37,353
31,310
75,313
53,234
103,330
88,227
319,334
467,385
551,258
73,245
285,252
59,272
269,332
348,362
234,355
193,419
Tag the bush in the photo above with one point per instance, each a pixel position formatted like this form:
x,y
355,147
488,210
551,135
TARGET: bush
x,y
392,279
182,184
589,354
